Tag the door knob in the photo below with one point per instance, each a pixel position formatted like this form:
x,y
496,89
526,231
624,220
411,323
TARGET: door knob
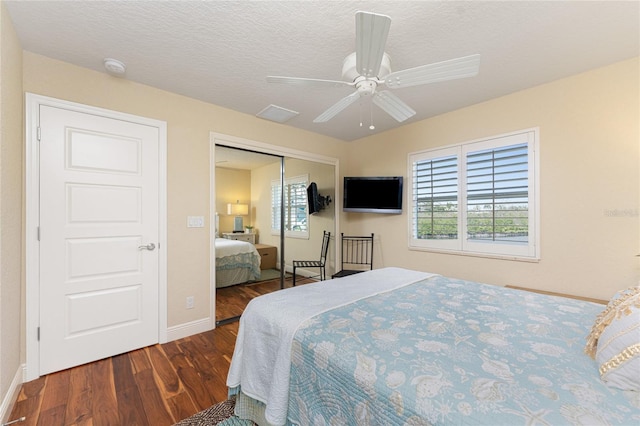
x,y
149,247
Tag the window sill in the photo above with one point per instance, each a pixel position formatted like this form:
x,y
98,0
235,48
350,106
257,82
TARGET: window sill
x,y
476,254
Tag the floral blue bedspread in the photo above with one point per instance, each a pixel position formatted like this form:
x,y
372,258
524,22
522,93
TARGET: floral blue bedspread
x,y
451,352
249,261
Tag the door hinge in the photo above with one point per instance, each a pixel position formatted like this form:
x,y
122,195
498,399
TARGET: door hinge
x,y
38,133
38,334
38,233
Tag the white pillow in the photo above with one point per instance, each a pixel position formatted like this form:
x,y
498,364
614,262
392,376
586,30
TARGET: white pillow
x,y
618,344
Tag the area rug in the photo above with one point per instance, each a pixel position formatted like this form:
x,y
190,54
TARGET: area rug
x,y
269,274
220,414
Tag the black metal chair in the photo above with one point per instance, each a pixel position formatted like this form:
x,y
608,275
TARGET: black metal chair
x,y
356,255
315,263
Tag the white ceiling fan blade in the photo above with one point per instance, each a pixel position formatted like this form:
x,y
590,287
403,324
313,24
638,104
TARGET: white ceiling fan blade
x,y
308,82
337,107
467,66
371,37
393,105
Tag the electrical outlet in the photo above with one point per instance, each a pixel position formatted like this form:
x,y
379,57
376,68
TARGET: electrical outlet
x,y
190,302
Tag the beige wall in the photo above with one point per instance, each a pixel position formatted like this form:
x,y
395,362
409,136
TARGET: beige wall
x,y
11,309
232,186
590,162
189,123
261,179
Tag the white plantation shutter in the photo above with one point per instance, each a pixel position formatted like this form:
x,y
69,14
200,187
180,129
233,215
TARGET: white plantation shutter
x,y
296,219
436,189
297,211
498,194
275,206
477,198
435,218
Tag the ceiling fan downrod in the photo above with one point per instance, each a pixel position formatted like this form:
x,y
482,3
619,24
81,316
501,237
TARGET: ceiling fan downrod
x,y
371,126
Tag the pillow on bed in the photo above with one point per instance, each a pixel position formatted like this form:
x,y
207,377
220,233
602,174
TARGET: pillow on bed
x,y
615,341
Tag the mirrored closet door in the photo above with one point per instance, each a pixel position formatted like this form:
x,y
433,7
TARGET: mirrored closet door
x,y
256,195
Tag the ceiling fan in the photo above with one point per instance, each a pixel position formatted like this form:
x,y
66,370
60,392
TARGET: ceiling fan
x,y
369,68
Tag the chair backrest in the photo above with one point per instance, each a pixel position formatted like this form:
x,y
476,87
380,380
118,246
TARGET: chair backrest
x,y
357,252
325,246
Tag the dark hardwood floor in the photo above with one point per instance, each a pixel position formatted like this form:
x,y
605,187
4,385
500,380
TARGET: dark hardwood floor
x,y
231,301
155,386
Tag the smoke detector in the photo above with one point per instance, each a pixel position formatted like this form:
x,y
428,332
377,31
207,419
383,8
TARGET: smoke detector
x,y
115,67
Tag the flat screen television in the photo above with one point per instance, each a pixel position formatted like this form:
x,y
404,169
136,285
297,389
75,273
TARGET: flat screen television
x,y
315,201
373,194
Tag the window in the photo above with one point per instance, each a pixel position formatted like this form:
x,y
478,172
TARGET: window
x,y
477,198
295,207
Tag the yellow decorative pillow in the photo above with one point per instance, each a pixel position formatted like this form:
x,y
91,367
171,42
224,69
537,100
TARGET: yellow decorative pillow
x,y
616,336
619,304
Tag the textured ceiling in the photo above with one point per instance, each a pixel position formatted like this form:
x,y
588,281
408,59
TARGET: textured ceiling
x,y
221,51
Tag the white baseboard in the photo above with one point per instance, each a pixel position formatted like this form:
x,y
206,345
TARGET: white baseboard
x,y
188,329
11,396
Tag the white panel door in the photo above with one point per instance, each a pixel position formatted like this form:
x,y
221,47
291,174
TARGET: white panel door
x,y
98,232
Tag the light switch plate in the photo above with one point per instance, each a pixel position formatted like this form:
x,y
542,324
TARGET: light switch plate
x,y
195,221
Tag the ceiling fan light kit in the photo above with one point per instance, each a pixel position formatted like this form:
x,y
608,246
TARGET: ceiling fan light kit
x,y
370,67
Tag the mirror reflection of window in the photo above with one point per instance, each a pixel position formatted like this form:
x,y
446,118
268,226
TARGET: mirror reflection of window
x,y
296,216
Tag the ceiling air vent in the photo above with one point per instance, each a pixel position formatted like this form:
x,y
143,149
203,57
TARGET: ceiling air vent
x,y
276,113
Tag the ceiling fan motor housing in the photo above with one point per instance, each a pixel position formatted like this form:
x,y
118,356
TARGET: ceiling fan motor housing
x,y
350,73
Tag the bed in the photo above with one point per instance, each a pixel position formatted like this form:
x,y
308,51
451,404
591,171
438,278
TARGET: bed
x,y
399,347
236,262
